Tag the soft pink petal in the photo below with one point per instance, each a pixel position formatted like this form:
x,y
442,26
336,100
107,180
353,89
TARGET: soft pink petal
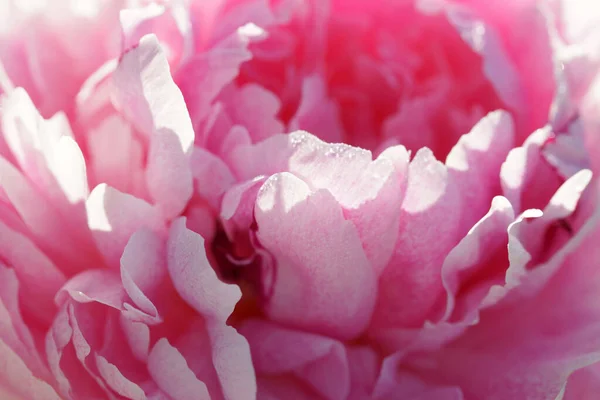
x,y
475,161
232,362
14,332
367,190
18,379
318,257
528,180
212,176
256,109
39,278
114,216
412,278
159,20
317,113
145,92
172,374
116,156
143,269
320,362
478,262
529,343
116,381
193,276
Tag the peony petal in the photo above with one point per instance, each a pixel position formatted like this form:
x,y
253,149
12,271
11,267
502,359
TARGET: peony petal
x,y
583,384
478,262
232,362
212,176
528,181
145,92
18,379
116,157
412,277
170,371
166,23
193,276
475,161
317,113
250,101
143,269
319,361
114,216
117,382
39,278
318,258
545,329
368,190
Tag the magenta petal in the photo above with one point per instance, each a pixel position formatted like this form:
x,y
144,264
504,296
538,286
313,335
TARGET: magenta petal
x,y
319,259
583,384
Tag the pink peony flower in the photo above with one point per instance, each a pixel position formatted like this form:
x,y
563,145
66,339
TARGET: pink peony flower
x,y
252,199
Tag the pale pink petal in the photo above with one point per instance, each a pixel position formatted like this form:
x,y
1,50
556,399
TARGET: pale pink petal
x,y
172,374
212,176
318,257
165,22
145,92
18,379
143,269
475,161
116,381
319,361
367,190
256,109
412,277
529,343
528,180
94,285
193,276
39,278
478,262
14,332
116,157
232,362
44,148
114,216
206,74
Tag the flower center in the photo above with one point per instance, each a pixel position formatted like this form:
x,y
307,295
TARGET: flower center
x,y
396,76
241,260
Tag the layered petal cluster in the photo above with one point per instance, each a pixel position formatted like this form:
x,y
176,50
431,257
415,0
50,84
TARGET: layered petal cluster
x,y
299,199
